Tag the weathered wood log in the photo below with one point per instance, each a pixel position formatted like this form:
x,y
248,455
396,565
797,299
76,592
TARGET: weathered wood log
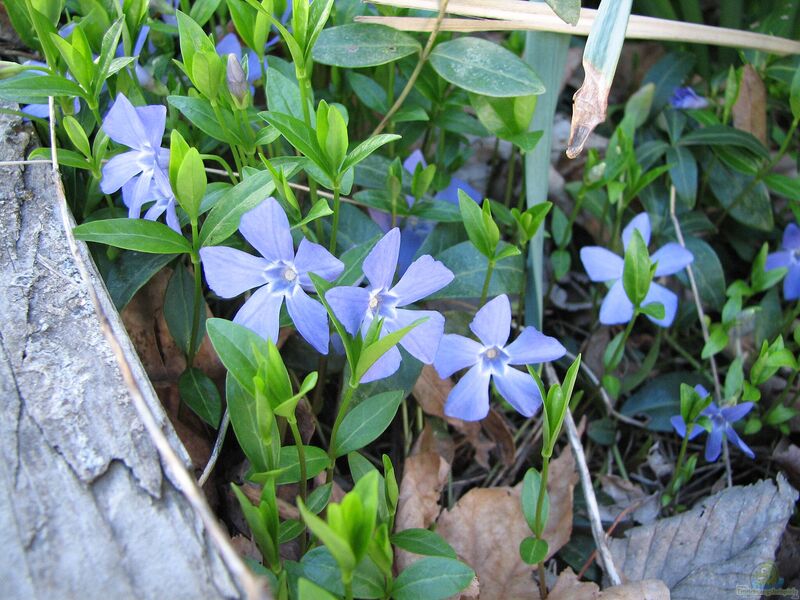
x,y
86,509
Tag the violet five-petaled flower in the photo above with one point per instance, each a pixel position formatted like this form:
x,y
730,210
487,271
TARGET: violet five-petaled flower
x,y
414,229
789,257
357,307
603,265
142,171
279,274
491,359
721,420
687,98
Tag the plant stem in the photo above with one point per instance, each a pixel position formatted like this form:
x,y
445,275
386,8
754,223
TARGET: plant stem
x,y
348,396
336,211
417,70
621,348
538,522
198,296
485,291
301,457
512,164
679,464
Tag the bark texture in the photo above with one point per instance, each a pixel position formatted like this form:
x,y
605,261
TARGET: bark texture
x,y
86,510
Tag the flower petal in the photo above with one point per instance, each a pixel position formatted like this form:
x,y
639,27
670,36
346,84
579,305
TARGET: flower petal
x,y
424,277
267,229
469,398
381,262
734,413
678,425
120,170
520,391
133,203
791,237
640,222
775,260
450,193
154,119
713,444
456,352
658,293
230,272
37,110
313,258
261,313
310,319
382,219
123,124
349,304
385,366
702,391
415,158
617,307
172,217
601,264
229,44
422,341
734,437
671,258
532,346
791,285
492,323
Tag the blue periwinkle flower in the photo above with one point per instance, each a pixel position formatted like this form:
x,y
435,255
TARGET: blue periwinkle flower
x,y
491,359
142,172
357,307
279,274
414,229
686,98
604,265
788,256
721,424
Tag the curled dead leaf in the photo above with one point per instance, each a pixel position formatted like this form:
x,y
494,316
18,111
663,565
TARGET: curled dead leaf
x,y
750,109
628,496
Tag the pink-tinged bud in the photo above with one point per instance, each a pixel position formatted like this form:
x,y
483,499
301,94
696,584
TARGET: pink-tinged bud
x,y
237,83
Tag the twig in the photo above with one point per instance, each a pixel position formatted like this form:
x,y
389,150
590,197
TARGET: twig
x,y
504,15
588,491
604,395
624,513
703,327
253,587
212,461
417,69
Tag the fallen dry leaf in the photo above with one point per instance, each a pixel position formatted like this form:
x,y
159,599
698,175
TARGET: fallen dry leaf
x,y
626,495
707,551
650,589
750,109
787,455
486,526
569,587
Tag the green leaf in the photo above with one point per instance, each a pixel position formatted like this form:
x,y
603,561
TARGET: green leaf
x,y
320,567
129,272
242,411
223,220
338,546
788,187
636,275
179,309
191,183
201,395
475,225
683,172
568,10
77,135
531,487
794,97
306,590
717,340
722,135
202,10
364,423
659,399
357,45
485,68
370,354
200,113
533,550
33,88
234,344
365,148
134,234
746,200
283,96
107,52
469,268
424,542
708,273
432,578
316,462
298,135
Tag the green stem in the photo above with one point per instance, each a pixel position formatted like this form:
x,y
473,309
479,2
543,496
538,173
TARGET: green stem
x,y
620,464
336,211
621,348
538,523
512,164
198,296
224,163
415,73
348,396
301,457
485,290
522,287
679,465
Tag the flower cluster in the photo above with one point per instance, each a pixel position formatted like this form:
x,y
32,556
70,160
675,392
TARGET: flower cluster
x,y
721,424
602,265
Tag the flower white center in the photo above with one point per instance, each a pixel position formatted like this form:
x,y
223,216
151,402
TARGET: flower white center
x,y
373,302
289,274
491,353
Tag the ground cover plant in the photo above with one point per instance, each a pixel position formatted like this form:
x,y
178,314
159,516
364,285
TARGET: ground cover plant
x,y
336,228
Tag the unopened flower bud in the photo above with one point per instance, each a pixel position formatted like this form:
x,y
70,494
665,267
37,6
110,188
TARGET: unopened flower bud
x,y
237,83
9,69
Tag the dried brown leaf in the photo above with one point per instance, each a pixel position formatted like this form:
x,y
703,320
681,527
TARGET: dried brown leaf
x,y
649,589
628,496
486,526
750,109
787,455
707,551
569,587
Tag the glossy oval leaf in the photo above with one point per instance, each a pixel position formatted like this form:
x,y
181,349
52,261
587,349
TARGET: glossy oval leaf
x,y
432,578
482,67
134,234
223,220
201,395
366,422
363,45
